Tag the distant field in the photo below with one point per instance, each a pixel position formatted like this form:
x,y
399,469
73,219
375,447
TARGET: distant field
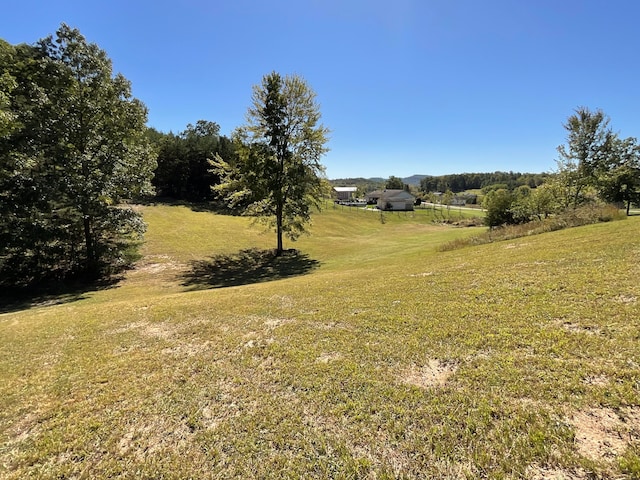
x,y
368,355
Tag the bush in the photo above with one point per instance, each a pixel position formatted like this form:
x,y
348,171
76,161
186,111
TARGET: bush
x,y
585,215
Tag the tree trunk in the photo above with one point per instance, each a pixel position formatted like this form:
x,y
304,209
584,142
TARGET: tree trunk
x,y
628,207
88,241
279,248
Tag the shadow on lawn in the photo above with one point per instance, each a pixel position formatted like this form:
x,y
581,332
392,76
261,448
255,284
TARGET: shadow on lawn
x,y
246,267
14,299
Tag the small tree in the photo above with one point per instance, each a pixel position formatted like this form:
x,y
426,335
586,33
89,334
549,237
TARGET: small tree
x,y
498,206
278,174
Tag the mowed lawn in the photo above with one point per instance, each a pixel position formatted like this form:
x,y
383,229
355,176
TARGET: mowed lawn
x,y
369,354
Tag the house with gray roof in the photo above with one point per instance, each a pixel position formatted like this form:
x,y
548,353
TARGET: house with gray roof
x,y
392,199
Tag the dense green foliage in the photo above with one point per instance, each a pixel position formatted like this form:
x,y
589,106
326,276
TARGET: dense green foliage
x,y
394,183
73,149
184,171
471,181
594,165
278,174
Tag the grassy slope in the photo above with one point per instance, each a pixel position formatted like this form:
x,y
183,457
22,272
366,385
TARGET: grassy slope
x,y
389,359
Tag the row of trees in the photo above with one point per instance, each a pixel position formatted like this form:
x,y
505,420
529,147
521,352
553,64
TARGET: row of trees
x,y
595,165
73,146
184,169
471,181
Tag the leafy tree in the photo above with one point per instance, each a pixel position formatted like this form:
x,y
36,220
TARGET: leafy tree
x,y
278,174
394,183
619,179
184,171
498,206
7,85
79,151
588,149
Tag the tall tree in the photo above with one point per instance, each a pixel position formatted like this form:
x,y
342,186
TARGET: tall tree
x,y
79,151
588,148
278,175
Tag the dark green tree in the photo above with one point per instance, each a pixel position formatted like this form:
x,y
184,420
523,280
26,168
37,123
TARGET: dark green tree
x,y
79,151
394,183
278,175
184,171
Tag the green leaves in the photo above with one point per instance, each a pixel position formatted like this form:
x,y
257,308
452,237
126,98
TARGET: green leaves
x,y
76,149
279,173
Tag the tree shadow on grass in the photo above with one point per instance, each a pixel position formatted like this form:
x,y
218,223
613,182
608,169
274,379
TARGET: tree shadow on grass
x,y
15,299
247,267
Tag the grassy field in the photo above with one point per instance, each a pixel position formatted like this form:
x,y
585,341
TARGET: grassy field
x,y
370,354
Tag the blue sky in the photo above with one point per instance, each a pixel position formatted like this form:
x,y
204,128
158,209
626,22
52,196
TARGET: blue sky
x,y
406,86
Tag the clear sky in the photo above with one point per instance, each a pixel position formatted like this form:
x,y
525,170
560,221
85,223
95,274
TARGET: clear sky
x,y
406,86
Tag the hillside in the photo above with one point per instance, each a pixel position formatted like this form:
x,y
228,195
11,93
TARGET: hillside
x,y
368,355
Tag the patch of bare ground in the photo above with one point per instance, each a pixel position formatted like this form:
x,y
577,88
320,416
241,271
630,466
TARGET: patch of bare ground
x,y
271,323
596,380
423,274
157,264
187,349
577,328
152,435
24,427
434,373
626,299
328,357
514,245
283,300
603,433
157,330
539,473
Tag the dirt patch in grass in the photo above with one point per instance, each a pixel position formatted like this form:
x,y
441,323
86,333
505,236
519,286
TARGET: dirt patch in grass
x,y
156,330
434,373
625,299
187,349
152,435
157,264
329,357
539,473
577,328
603,434
596,380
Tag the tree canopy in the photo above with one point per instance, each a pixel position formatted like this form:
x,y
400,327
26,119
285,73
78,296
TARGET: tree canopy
x,y
75,150
278,177
183,170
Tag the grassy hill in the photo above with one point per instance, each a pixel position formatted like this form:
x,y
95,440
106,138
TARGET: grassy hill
x,y
368,355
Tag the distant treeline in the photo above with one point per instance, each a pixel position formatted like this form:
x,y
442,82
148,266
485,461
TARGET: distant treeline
x,y
460,182
457,182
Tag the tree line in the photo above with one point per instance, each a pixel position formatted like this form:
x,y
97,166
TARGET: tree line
x,y
471,181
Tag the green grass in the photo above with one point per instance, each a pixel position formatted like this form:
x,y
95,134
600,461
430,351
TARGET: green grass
x,y
386,359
